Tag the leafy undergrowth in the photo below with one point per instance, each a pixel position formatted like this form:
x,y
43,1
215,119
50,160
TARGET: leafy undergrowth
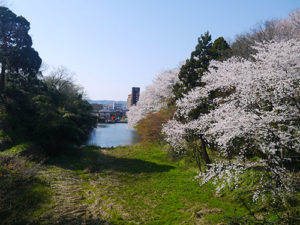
x,y
126,185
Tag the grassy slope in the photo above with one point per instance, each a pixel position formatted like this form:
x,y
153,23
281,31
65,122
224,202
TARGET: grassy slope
x,y
126,185
136,185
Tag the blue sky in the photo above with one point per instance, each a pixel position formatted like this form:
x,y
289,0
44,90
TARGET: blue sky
x,y
114,45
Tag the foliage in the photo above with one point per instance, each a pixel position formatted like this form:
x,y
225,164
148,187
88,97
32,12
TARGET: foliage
x,y
18,59
162,91
256,114
220,49
150,127
21,192
190,76
5,140
154,98
49,111
198,62
191,72
272,30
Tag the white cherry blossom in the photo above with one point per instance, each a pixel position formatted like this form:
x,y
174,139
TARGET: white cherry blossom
x,y
259,107
154,97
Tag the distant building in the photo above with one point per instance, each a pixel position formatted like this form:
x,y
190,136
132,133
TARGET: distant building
x,y
110,115
135,95
133,98
108,107
129,101
97,107
118,106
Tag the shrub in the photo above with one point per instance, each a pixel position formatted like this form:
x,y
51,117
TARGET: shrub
x,y
150,127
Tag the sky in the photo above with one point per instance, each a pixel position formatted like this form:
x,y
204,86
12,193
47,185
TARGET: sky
x,y
114,45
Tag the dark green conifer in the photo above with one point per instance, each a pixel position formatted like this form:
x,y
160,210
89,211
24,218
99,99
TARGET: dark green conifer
x,y
191,72
17,57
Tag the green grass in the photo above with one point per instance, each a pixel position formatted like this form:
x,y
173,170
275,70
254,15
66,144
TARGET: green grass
x,y
142,186
23,196
126,185
15,150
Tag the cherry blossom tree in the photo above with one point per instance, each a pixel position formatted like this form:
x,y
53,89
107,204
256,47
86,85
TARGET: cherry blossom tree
x,y
271,30
254,110
154,98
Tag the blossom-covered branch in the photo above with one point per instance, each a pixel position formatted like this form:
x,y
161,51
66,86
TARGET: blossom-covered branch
x,y
154,97
254,108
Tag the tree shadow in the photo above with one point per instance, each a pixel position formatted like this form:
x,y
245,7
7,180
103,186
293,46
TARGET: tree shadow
x,y
76,220
21,192
93,160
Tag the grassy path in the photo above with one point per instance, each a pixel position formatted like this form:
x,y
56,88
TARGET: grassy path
x,y
128,185
67,205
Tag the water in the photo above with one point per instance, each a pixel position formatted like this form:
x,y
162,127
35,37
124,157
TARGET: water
x,y
113,135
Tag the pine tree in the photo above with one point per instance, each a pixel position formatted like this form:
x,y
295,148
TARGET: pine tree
x,y
191,72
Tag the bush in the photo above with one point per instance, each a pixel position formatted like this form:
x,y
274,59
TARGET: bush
x,y
150,128
5,141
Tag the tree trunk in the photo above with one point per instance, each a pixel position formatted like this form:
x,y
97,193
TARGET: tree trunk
x,y
197,156
204,152
2,77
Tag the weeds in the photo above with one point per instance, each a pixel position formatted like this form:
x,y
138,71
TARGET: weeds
x,y
21,192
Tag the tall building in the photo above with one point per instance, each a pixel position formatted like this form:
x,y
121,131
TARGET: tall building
x,y
129,100
135,94
133,98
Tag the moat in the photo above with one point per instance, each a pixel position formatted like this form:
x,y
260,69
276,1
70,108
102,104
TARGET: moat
x,y
113,135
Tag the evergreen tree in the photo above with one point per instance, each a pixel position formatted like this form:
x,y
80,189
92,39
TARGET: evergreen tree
x,y
17,57
191,72
220,49
190,77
